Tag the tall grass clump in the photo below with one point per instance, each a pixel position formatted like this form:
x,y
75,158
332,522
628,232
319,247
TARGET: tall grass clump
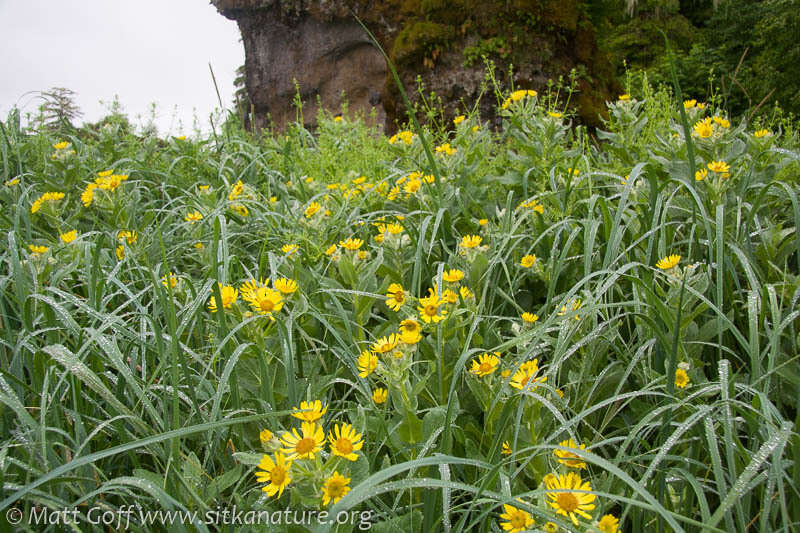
x,y
528,328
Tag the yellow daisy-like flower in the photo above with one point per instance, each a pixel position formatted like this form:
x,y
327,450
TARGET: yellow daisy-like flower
x,y
484,365
568,458
367,363
61,145
701,174
351,244
412,187
264,301
410,336
38,250
69,236
169,280
395,296
335,488
380,395
409,325
446,149
506,450
762,133
394,228
703,128
550,527
429,308
449,296
305,446
608,524
285,285
344,441
668,262
289,249
530,318
236,191
194,216
310,411
483,221
516,520
240,209
471,241
331,250
273,199
229,295
452,276
265,436
459,119
128,235
204,188
555,114
689,104
722,123
250,286
528,260
105,173
681,378
275,474
386,344
624,97
525,376
570,503
312,209
120,251
87,196
720,167
198,245
12,182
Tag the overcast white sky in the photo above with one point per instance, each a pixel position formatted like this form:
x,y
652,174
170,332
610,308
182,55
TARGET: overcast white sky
x,y
144,51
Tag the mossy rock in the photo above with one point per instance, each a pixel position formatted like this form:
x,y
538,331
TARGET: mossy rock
x,y
413,40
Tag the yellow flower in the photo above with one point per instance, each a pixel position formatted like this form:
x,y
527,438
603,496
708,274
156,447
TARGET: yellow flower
x,y
668,262
198,245
721,122
555,114
386,344
410,336
506,449
452,276
337,118
37,250
550,527
309,411
275,473
351,244
465,293
380,395
624,97
485,365
236,191
762,133
568,458
285,285
312,208
331,250
395,296
105,173
264,301
265,436
127,235
689,104
394,228
530,318
459,119
720,167
194,216
12,182
516,520
69,236
120,251
61,145
681,378
701,174
335,488
412,186
46,197
305,447
483,221
568,502
471,241
527,374
248,287
273,199
362,255
449,296
240,209
703,128
344,442
169,280
409,325
367,363
608,524
229,295
446,149
429,308
289,249
528,261
87,196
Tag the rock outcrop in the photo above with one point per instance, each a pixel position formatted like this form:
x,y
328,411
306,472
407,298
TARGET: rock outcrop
x,y
319,45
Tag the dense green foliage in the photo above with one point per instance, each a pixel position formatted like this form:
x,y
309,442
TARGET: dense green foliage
x,y
744,51
120,386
